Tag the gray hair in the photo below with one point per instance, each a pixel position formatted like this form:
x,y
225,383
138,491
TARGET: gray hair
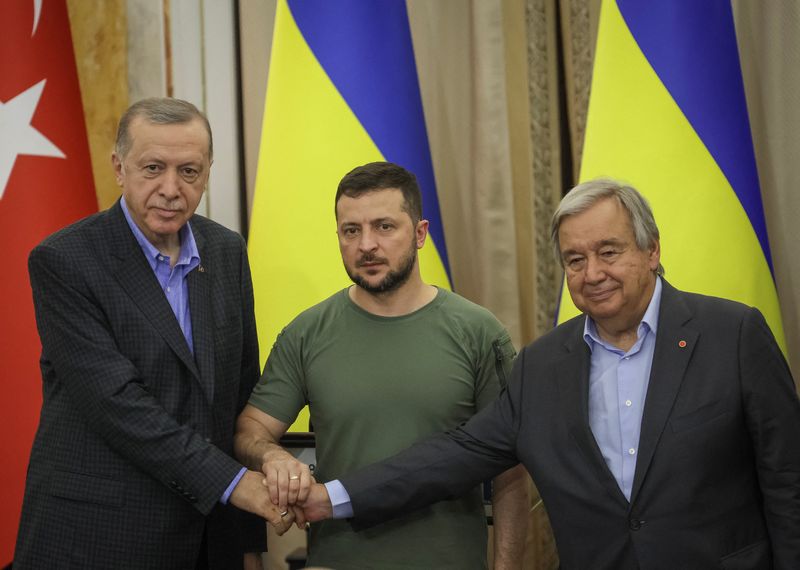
x,y
160,111
587,194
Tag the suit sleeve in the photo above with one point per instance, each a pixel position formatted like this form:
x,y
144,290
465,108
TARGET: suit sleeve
x,y
105,388
441,467
773,416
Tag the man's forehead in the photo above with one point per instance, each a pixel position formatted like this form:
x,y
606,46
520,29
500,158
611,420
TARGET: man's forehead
x,y
389,201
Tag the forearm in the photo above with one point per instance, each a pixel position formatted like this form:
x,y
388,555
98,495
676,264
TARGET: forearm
x,y
254,448
510,512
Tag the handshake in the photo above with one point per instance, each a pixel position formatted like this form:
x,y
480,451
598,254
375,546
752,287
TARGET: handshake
x,y
283,493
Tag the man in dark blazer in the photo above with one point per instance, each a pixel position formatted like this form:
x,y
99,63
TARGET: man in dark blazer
x,y
149,352
662,429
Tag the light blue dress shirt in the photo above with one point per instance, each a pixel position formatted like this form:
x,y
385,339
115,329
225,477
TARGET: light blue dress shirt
x,y
172,279
618,383
176,289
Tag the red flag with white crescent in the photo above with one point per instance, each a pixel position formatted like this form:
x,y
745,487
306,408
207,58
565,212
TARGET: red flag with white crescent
x,y
45,183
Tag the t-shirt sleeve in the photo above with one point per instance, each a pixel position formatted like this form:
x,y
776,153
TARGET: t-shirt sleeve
x,y
281,391
494,365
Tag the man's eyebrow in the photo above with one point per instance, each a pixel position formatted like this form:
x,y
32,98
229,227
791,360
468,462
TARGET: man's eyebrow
x,y
612,241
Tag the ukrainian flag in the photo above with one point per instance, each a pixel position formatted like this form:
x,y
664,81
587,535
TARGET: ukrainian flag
x,y
342,91
667,113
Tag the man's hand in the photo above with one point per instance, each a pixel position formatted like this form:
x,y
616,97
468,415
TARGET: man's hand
x,y
316,507
251,496
287,479
257,445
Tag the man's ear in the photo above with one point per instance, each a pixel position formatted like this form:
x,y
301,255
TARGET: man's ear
x,y
655,255
116,163
421,233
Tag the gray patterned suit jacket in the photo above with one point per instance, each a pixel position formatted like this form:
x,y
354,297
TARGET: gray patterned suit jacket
x,y
135,442
717,480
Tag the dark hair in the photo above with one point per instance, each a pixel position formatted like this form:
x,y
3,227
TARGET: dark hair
x,y
376,176
160,111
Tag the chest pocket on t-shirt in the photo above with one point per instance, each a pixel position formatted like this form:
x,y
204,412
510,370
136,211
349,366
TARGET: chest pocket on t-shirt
x,y
504,354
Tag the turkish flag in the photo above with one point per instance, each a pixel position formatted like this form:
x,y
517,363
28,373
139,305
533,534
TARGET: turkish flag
x,y
45,183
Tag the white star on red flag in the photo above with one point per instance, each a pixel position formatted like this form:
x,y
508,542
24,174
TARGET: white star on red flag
x,y
18,135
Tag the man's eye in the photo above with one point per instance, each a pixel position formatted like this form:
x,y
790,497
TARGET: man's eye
x,y
575,263
190,173
151,168
385,227
608,253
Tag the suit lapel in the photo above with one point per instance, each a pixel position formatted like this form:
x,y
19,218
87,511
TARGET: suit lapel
x,y
199,281
131,270
675,342
573,386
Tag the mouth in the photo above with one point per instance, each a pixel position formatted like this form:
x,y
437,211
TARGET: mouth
x,y
368,263
598,296
167,213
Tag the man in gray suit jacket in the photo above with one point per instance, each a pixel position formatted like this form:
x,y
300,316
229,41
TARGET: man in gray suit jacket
x,y
149,352
662,428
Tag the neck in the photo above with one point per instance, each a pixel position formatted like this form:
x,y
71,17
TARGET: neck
x,y
410,297
170,246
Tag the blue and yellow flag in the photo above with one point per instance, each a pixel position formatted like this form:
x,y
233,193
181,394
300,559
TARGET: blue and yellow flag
x,y
668,114
342,91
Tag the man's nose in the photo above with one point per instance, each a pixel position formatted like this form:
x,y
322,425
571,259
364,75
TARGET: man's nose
x,y
595,270
367,241
171,183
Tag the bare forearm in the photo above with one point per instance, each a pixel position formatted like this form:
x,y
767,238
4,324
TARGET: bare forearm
x,y
510,506
252,448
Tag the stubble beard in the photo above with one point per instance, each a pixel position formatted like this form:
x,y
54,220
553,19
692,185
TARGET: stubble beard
x,y
393,280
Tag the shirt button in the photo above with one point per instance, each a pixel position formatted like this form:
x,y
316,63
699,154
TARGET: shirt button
x,y
161,258
628,403
169,288
631,451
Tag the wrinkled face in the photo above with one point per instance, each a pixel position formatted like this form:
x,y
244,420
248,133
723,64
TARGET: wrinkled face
x,y
378,240
608,276
163,176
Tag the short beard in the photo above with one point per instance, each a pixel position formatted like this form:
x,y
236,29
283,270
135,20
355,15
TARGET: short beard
x,y
393,280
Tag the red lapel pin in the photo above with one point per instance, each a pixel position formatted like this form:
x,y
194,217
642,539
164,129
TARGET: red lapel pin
x,y
682,343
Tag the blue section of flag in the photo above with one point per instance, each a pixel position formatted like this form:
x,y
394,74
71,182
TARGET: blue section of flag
x,y
365,48
691,45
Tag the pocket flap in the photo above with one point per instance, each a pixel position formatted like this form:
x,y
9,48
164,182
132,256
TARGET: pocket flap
x,y
87,488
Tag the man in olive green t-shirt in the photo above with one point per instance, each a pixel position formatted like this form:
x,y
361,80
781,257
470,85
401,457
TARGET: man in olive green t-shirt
x,y
383,364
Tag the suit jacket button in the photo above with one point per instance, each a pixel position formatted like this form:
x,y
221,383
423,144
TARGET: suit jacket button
x,y
635,524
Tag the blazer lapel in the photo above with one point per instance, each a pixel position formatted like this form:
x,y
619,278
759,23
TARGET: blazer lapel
x,y
130,268
199,281
573,387
675,342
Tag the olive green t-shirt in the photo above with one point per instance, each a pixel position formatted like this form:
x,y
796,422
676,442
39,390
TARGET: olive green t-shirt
x,y
374,386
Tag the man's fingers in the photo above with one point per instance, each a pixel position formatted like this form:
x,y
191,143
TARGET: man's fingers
x,y
272,485
282,488
294,487
304,485
287,518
